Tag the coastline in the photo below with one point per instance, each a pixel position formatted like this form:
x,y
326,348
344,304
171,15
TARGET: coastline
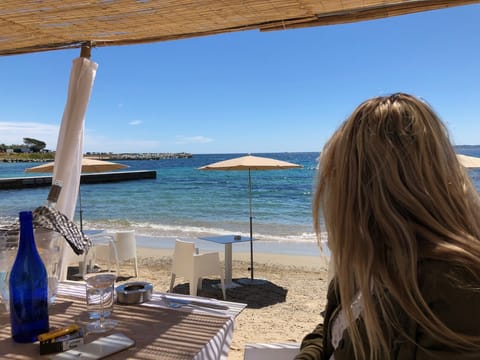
x,y
307,249
305,262
29,157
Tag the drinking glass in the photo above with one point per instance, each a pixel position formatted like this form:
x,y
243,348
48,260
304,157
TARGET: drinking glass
x,y
49,246
8,252
100,294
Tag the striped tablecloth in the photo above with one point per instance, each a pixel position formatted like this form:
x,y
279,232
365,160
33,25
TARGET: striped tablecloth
x,y
159,331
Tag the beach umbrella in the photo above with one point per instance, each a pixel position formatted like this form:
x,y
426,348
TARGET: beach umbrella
x,y
469,161
250,162
69,151
88,166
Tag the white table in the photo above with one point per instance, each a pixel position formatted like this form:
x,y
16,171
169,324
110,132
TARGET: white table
x,y
227,240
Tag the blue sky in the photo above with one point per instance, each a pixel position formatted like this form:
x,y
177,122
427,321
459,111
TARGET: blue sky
x,y
251,91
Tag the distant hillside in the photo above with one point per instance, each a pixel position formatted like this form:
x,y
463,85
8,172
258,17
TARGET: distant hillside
x,y
26,157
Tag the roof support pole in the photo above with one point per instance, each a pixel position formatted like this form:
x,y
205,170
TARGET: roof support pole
x,y
86,50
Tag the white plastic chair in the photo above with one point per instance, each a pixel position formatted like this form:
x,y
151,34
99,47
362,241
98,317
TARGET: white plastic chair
x,y
192,266
271,351
103,250
126,245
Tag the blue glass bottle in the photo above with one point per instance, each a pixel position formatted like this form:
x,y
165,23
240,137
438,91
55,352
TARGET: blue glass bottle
x,y
28,287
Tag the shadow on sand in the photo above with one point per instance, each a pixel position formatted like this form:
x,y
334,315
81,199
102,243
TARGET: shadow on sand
x,y
256,294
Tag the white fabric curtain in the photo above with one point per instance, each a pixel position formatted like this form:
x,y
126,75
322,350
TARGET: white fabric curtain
x,y
68,156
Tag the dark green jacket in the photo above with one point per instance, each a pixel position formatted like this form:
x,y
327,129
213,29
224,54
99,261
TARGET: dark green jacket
x,y
455,305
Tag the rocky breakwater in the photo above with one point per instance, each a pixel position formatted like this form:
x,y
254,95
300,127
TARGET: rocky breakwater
x,y
138,156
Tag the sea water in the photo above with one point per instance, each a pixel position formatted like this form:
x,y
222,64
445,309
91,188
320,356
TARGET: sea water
x,y
185,202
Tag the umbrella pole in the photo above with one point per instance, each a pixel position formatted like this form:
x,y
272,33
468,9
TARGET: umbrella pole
x,y
81,211
251,222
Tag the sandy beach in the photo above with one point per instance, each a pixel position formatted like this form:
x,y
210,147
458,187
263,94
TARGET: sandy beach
x,y
282,309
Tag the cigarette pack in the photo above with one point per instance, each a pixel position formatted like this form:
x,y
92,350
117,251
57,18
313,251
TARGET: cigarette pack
x,y
62,343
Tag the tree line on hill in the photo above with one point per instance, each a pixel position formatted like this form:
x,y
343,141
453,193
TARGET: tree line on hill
x,y
29,145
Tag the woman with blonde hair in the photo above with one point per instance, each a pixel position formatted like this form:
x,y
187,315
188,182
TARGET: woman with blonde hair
x,y
403,225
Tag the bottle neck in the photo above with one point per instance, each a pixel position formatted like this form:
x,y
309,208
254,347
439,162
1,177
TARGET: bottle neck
x,y
26,232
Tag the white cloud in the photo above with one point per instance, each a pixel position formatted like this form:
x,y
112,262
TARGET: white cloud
x,y
182,140
14,132
135,122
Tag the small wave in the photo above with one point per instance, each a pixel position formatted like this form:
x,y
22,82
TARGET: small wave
x,y
190,231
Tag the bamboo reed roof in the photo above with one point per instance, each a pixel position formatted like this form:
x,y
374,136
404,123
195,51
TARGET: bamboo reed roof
x,y
41,25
